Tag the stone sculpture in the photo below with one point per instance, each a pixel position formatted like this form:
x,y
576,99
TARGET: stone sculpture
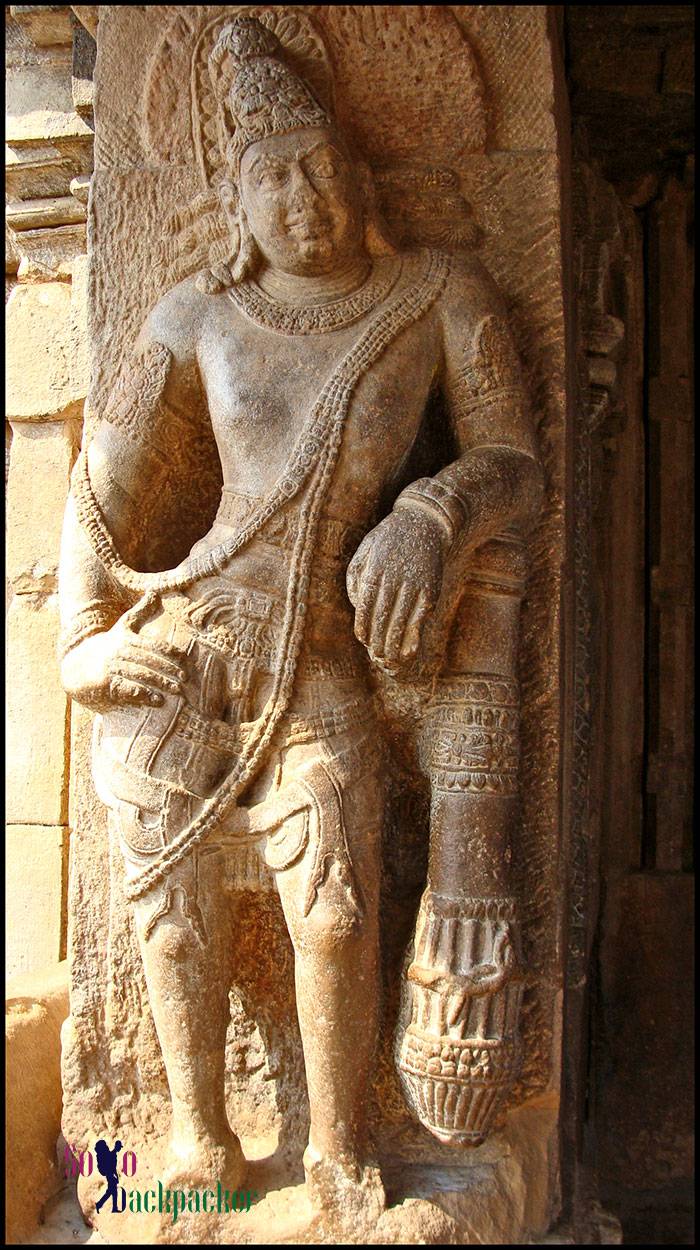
x,y
232,694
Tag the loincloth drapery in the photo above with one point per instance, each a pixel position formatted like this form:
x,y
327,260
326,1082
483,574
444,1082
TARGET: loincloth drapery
x,y
156,766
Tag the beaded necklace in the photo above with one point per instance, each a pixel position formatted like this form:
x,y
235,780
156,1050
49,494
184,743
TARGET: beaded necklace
x,y
287,318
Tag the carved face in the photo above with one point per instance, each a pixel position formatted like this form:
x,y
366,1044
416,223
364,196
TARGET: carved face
x,y
302,201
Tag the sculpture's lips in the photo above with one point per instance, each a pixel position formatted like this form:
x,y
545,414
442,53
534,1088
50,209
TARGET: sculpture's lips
x,y
307,226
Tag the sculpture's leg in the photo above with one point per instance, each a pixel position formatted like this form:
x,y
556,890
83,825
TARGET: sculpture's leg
x,y
458,1045
183,923
336,972
185,945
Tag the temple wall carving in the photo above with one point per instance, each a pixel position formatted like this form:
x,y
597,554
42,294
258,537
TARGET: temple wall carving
x,y
456,114
461,185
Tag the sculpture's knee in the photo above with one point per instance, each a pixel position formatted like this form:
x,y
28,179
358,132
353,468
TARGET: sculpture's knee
x,y
171,942
170,926
336,928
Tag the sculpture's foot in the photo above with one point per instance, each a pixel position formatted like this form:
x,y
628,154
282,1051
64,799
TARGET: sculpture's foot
x,y
350,1194
197,1162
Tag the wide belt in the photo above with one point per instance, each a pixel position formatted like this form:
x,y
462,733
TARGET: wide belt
x,y
337,538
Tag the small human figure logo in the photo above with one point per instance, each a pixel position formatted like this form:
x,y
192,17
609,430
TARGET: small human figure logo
x,y
107,1166
173,1202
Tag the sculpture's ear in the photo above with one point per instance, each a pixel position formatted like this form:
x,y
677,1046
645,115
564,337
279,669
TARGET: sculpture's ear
x,y
377,241
224,255
230,200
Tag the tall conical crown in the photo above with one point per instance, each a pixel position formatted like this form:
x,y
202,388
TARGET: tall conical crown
x,y
261,93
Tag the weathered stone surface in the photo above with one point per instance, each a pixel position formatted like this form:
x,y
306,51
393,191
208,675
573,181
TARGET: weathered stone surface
x,y
48,254
12,257
40,105
80,188
40,463
35,1007
39,385
37,871
37,716
47,25
45,169
48,144
519,83
37,214
79,341
148,165
88,16
82,70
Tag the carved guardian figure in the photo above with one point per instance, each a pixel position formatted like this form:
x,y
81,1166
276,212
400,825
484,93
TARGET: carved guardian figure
x,y
232,694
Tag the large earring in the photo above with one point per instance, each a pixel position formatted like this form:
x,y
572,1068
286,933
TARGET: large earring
x,y
376,241
376,237
214,279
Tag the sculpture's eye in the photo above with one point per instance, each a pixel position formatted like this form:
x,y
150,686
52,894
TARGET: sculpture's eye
x,y
272,176
324,167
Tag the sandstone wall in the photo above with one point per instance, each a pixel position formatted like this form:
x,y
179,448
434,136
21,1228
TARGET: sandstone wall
x,y
49,57
633,233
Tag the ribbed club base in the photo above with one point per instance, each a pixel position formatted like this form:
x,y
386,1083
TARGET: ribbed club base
x,y
457,1045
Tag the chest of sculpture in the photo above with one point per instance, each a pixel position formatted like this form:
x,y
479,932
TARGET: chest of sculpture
x,y
255,421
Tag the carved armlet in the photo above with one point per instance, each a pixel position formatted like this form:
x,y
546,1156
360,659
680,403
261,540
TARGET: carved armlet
x,y
138,391
139,420
93,618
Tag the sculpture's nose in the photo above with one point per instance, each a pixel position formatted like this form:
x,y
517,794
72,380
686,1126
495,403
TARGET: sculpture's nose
x,y
302,191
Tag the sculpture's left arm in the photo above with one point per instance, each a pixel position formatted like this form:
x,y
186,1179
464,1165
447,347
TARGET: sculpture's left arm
x,y
395,577
484,503
496,483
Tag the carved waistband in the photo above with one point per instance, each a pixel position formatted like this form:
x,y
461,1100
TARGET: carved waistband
x,y
247,636
337,538
247,632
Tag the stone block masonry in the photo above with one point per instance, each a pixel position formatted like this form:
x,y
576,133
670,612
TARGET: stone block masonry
x,y
49,134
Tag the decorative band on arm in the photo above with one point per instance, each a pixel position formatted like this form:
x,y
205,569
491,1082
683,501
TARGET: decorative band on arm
x,y
439,501
93,619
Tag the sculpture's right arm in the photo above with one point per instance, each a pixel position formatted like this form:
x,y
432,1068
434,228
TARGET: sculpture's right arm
x,y
126,459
